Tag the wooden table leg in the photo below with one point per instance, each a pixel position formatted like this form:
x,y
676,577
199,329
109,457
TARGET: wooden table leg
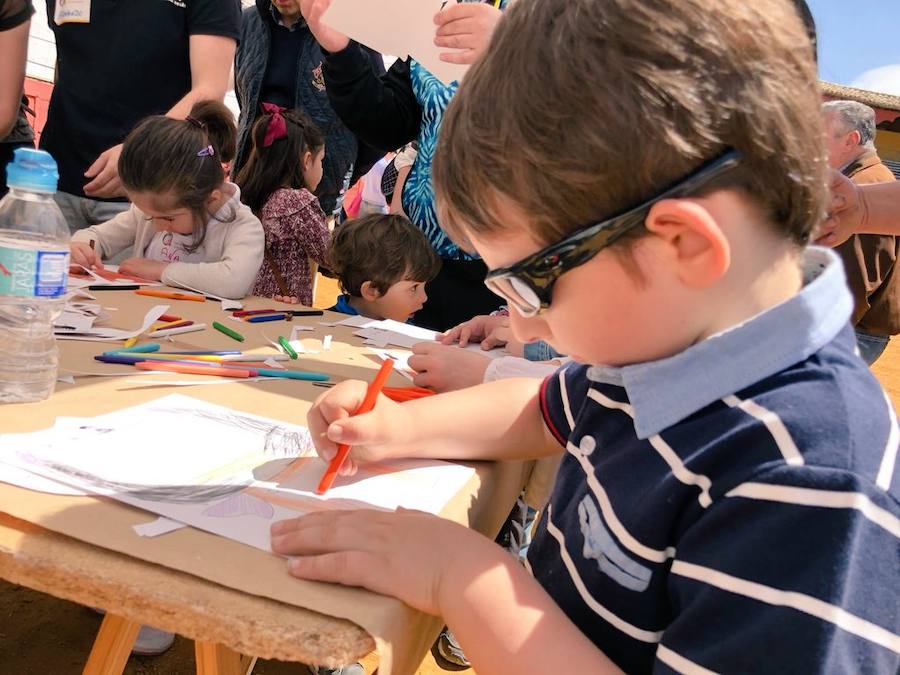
x,y
216,659
112,647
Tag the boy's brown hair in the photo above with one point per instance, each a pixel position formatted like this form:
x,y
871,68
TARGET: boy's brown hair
x,y
382,249
581,109
166,155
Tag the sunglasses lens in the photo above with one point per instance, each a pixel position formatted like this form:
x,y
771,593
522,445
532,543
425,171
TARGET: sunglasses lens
x,y
517,292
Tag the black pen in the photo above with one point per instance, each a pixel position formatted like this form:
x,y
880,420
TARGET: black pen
x,y
304,312
115,287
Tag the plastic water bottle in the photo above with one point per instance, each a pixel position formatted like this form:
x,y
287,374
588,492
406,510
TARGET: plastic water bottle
x,y
34,265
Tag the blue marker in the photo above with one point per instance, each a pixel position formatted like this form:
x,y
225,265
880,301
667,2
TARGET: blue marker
x,y
266,317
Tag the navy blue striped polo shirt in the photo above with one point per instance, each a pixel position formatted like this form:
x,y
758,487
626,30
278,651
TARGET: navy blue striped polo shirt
x,y
733,508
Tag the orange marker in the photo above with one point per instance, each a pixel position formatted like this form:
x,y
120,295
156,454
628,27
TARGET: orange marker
x,y
171,295
366,406
192,370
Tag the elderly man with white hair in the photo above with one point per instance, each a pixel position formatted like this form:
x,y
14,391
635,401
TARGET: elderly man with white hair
x,y
869,259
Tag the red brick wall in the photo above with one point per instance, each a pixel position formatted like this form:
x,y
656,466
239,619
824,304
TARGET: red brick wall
x,y
38,94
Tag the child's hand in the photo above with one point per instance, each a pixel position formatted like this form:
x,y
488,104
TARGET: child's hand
x,y
328,38
446,368
371,436
408,555
143,268
490,331
467,26
286,299
84,255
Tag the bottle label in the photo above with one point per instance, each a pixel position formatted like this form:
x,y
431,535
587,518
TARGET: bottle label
x,y
32,273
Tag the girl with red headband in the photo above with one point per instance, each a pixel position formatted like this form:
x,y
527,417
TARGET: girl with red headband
x,y
277,183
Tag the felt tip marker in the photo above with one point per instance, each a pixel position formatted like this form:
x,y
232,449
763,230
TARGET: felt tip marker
x,y
366,406
233,334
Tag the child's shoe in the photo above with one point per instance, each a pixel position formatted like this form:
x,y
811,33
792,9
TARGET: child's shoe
x,y
449,650
152,641
353,669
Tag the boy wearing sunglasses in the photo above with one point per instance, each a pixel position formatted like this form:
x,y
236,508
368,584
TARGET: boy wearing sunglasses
x,y
728,495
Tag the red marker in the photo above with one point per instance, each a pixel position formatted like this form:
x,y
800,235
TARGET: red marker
x,y
366,406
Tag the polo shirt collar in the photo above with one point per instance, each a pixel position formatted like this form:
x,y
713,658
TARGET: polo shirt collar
x,y
666,391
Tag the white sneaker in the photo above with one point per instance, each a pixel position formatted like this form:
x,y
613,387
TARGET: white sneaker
x,y
152,641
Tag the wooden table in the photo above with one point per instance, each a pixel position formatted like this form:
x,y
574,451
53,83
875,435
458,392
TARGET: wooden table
x,y
229,598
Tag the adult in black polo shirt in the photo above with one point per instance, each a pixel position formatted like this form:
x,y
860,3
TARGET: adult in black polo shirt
x,y
118,62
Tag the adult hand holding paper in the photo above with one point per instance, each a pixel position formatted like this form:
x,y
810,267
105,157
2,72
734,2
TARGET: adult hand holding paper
x,y
405,28
328,38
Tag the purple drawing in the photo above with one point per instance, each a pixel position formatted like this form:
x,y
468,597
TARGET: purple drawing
x,y
240,504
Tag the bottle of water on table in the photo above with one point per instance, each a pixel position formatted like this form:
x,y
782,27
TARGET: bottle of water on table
x,y
34,264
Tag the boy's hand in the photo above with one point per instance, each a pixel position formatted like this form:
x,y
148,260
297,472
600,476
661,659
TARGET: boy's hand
x,y
143,268
406,555
371,435
446,368
467,26
329,39
847,212
491,331
84,255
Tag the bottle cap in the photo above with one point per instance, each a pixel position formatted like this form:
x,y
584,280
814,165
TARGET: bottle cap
x,y
33,170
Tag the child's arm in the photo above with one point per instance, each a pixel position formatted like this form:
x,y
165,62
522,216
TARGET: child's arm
x,y
504,620
114,235
234,274
499,420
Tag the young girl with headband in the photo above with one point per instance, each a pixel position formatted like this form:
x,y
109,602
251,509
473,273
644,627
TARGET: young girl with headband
x,y
187,224
277,183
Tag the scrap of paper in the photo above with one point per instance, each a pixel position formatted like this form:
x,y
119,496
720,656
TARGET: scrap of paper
x,y
158,527
104,334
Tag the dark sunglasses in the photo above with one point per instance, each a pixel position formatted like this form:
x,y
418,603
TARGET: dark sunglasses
x,y
528,284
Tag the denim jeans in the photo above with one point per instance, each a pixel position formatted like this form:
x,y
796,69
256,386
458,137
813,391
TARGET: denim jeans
x,y
540,351
81,212
871,346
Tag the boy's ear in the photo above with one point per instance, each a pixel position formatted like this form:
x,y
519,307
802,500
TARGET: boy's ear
x,y
368,291
693,240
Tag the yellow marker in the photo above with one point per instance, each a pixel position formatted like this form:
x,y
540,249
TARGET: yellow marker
x,y
130,342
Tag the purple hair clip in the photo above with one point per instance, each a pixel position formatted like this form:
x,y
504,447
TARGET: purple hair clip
x,y
208,151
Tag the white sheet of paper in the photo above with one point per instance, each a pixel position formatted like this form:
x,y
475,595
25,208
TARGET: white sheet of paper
x,y
376,24
243,472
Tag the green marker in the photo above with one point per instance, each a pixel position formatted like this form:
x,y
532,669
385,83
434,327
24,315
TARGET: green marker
x,y
230,333
287,346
